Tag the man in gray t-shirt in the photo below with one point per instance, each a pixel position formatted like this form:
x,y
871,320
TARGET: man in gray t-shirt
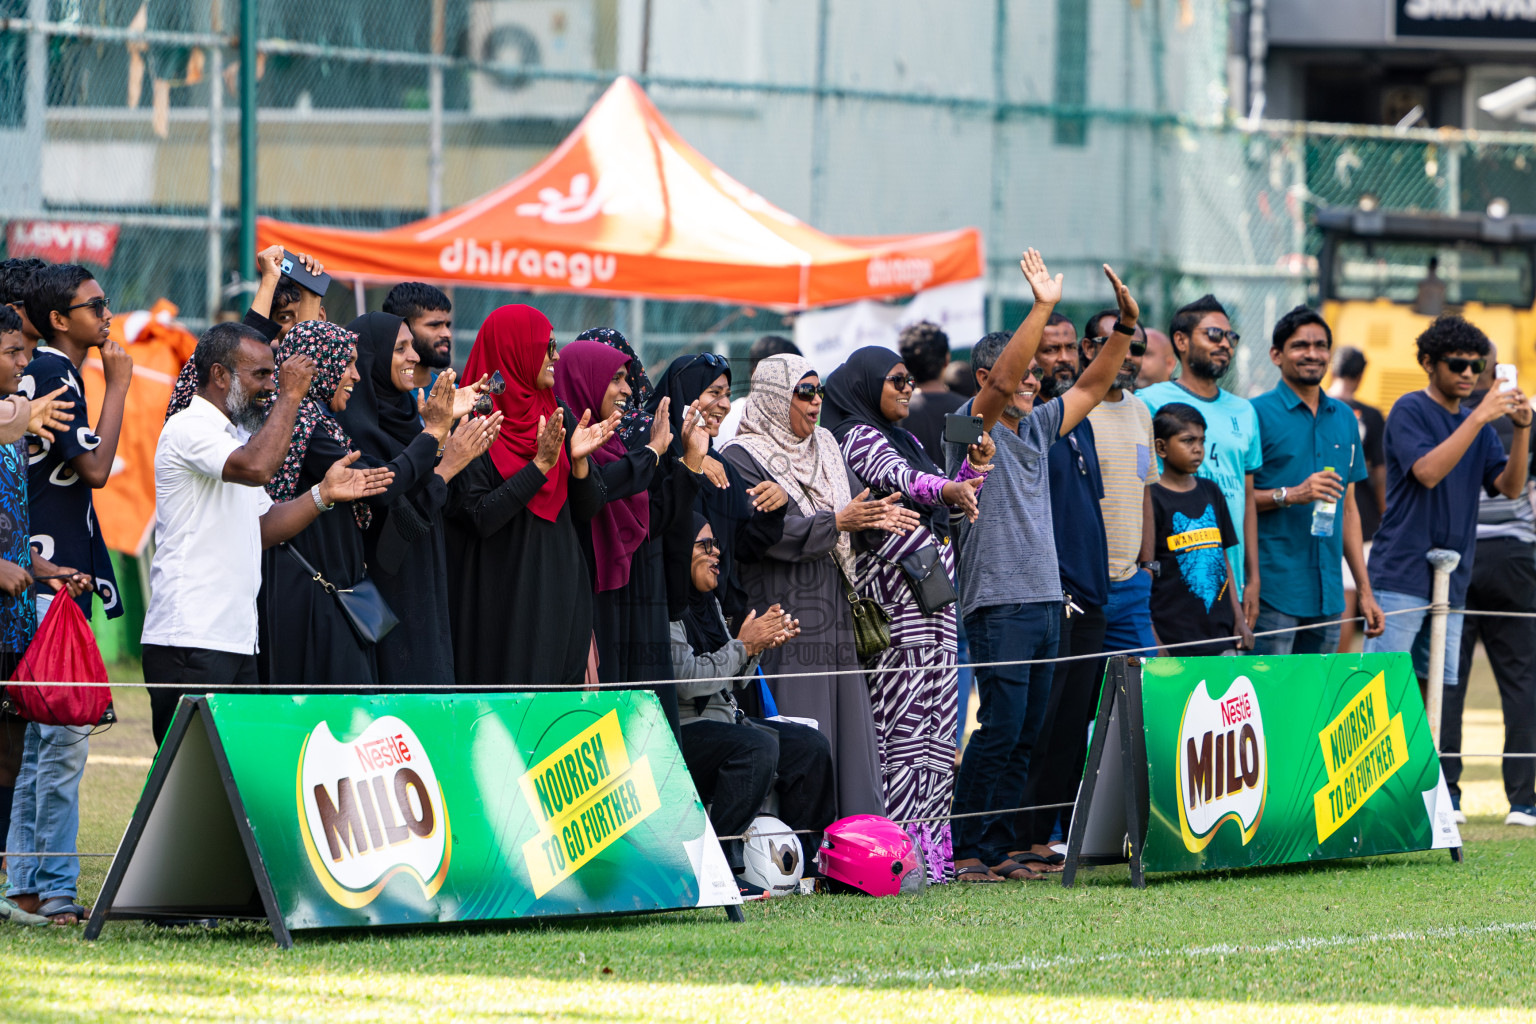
x,y
1010,589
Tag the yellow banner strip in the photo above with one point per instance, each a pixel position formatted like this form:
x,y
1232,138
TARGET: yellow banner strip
x,y
1359,779
567,777
604,816
1355,728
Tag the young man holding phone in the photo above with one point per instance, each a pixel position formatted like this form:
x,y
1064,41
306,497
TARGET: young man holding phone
x,y
1440,454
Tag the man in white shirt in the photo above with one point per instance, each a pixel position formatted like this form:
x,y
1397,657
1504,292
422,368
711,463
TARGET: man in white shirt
x,y
213,516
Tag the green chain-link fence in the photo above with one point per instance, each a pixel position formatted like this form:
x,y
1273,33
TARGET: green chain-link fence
x,y
1095,134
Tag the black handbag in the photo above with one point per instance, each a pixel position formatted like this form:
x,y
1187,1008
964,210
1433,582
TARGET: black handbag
x,y
930,584
361,605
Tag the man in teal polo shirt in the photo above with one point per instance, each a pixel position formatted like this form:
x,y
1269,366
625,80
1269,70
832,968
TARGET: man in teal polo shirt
x,y
1204,341
1313,457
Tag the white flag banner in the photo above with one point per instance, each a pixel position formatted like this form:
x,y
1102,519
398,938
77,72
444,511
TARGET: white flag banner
x,y
828,337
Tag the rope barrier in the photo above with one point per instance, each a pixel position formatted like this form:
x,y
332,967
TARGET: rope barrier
x,y
647,684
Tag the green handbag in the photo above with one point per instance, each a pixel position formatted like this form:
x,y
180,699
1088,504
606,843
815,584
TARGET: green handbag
x,y
871,622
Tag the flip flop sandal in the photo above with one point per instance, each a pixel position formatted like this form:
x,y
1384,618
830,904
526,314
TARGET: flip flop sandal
x,y
1013,871
1056,858
1047,865
978,875
60,907
12,914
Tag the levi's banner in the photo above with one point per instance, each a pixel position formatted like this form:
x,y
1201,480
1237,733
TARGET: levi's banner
x,y
1276,760
341,811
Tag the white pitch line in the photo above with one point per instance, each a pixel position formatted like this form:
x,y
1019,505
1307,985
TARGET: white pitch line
x,y
1299,945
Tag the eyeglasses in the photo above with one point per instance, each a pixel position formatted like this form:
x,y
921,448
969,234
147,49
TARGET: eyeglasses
x,y
1215,334
1138,348
97,305
808,392
1037,372
708,545
1460,366
901,381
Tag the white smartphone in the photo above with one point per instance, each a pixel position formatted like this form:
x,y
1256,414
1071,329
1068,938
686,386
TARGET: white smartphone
x,y
1505,374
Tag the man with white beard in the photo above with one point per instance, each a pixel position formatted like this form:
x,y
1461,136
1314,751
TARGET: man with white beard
x,y
213,516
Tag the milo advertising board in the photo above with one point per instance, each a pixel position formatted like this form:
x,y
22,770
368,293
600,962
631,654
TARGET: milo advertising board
x,y
342,811
1277,760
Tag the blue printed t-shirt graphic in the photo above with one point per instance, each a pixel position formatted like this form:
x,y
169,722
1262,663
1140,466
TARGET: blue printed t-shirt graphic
x,y
1196,544
18,615
1232,448
59,502
1191,533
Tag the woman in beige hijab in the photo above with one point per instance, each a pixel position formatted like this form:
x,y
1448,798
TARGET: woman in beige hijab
x,y
778,440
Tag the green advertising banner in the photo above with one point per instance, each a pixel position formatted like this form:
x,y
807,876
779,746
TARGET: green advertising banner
x,y
347,811
1201,764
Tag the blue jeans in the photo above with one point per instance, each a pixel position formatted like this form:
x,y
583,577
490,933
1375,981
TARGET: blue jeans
x,y
1310,640
1410,632
1013,702
45,814
1128,615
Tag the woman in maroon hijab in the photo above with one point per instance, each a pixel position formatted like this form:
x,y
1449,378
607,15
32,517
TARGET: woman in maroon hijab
x,y
520,602
650,492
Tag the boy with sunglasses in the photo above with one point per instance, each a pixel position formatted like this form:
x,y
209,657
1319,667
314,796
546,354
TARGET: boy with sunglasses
x,y
1206,347
1440,454
71,315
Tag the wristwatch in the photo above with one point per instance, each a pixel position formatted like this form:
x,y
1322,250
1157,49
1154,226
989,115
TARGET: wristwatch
x,y
1153,567
1280,497
1120,328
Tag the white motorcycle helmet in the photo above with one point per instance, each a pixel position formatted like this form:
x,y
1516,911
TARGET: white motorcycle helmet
x,y
774,858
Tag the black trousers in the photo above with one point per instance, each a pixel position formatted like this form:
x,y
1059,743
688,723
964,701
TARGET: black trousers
x,y
1503,579
191,670
735,765
1057,767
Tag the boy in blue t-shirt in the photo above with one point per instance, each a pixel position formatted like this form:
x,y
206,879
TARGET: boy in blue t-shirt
x,y
1439,455
1205,343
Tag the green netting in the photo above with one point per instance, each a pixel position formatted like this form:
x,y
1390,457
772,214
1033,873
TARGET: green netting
x,y
1093,132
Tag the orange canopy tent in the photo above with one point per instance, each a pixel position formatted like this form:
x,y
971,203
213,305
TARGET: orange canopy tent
x,y
624,206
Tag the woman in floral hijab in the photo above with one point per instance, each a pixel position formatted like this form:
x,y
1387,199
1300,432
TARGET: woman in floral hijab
x,y
305,640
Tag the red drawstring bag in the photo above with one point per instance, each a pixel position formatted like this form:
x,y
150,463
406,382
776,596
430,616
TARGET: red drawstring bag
x,y
63,651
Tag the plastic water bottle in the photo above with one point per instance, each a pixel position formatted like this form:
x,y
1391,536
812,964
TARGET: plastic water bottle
x,y
1323,514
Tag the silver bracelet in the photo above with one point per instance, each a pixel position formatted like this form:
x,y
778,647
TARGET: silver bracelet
x,y
314,492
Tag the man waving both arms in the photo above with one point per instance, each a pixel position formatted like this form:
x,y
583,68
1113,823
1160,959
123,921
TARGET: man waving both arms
x,y
1010,590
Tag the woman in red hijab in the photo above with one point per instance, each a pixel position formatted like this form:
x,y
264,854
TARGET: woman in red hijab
x,y
520,601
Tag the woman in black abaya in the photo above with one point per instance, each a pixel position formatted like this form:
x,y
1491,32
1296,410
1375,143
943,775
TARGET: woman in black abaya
x,y
305,639
521,602
404,544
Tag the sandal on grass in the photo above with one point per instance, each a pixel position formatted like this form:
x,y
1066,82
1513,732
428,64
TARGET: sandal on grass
x,y
1013,871
63,910
10,913
1048,865
975,873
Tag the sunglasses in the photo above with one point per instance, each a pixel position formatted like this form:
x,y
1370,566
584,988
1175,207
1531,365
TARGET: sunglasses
x,y
713,360
708,545
1138,348
553,349
810,392
97,305
1215,334
1037,372
1460,366
901,381
498,384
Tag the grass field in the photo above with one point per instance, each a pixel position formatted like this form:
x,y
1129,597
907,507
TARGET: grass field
x,y
1412,937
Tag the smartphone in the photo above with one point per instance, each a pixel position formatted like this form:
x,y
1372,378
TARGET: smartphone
x,y
961,429
295,270
1505,374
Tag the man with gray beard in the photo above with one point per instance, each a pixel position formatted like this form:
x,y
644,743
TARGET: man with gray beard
x,y
213,516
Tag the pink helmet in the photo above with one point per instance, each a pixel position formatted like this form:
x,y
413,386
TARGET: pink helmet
x,y
871,854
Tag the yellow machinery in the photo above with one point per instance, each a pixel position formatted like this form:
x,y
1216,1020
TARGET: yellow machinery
x,y
1378,293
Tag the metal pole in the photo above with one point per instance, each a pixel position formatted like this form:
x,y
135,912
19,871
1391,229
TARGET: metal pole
x,y
248,143
215,166
435,116
994,320
637,324
819,116
1444,563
